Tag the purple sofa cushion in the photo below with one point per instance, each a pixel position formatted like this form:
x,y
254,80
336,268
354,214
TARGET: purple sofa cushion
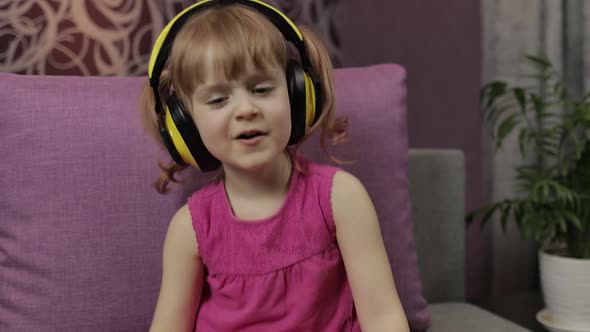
x,y
81,228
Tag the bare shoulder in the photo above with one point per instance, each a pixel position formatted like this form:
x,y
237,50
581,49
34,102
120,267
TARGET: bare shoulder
x,y
183,215
346,184
349,198
182,218
347,189
181,230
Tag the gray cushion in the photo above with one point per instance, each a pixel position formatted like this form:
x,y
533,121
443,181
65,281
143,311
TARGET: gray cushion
x,y
437,193
459,317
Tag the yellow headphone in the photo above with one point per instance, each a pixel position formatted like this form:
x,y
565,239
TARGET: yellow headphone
x,y
179,132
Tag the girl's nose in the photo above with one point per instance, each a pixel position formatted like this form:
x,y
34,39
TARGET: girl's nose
x,y
246,110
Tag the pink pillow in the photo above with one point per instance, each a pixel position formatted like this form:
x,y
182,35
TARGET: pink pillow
x,y
81,229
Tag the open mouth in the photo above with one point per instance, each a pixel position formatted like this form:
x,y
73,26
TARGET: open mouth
x,y
251,134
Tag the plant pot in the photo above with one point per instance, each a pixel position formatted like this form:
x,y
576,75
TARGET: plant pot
x,y
566,288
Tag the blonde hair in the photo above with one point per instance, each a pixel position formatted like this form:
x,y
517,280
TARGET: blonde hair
x,y
237,35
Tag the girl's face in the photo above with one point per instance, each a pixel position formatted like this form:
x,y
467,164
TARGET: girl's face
x,y
246,122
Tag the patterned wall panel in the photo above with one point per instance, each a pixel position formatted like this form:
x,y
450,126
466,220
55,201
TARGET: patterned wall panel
x,y
109,37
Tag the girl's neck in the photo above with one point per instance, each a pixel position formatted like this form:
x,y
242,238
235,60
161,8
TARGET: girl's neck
x,y
271,180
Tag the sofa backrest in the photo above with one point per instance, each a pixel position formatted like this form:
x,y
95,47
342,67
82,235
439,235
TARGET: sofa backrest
x,y
81,228
437,191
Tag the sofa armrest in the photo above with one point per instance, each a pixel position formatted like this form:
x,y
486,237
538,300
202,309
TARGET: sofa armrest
x,y
437,192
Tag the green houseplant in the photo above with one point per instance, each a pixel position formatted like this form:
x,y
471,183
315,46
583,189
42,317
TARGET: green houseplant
x,y
551,204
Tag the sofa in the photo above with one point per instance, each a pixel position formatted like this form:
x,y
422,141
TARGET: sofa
x,y
82,228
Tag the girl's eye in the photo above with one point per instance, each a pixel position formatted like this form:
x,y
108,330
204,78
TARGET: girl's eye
x,y
264,89
216,101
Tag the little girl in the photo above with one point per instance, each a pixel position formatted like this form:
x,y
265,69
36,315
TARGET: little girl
x,y
277,242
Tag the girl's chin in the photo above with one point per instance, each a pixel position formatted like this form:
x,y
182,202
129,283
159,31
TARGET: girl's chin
x,y
254,162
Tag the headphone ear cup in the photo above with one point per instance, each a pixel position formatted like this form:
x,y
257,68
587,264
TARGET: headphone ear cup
x,y
185,137
298,100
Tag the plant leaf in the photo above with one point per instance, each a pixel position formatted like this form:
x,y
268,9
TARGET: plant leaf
x,y
562,225
520,96
541,61
505,213
522,140
574,219
506,127
491,91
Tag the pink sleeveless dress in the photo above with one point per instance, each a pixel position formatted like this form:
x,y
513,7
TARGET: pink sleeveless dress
x,y
282,273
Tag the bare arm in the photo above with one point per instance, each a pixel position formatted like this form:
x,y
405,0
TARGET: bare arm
x,y
182,277
367,266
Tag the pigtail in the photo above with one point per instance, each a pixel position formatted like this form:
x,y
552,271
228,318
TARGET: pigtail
x,y
169,171
149,120
332,127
